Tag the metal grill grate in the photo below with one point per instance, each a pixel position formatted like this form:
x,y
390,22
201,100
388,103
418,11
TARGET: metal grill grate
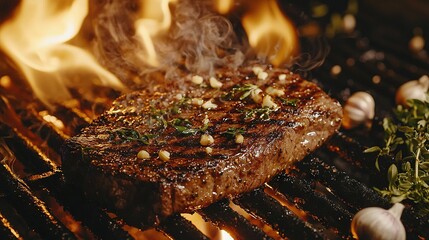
x,y
317,199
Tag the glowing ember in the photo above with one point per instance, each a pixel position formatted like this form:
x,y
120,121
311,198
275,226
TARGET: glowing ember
x,y
5,81
270,33
52,119
205,227
35,38
225,235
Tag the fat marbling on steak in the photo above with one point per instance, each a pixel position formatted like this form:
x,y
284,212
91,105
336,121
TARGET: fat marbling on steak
x,y
222,140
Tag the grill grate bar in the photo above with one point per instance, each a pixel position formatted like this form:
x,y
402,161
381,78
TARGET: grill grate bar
x,y
7,231
178,227
13,222
332,214
351,151
32,156
356,194
72,117
277,216
223,216
45,130
30,207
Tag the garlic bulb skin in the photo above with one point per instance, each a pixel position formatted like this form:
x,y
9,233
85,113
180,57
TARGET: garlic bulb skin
x,y
375,223
416,89
358,109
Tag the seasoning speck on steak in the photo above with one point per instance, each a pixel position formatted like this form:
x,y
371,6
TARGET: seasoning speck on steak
x,y
155,154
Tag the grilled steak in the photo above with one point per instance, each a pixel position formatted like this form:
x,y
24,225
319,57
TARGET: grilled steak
x,y
155,154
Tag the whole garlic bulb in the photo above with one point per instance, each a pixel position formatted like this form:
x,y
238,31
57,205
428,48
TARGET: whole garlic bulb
x,y
416,89
379,224
358,109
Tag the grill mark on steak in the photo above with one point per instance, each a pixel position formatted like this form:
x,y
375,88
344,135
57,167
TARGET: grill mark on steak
x,y
102,159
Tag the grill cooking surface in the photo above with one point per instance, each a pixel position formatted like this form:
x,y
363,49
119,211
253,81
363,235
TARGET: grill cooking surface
x,y
317,199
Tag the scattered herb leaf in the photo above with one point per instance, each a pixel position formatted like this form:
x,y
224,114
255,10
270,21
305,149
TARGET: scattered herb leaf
x,y
205,126
183,126
242,90
262,113
232,132
128,134
178,106
159,116
289,101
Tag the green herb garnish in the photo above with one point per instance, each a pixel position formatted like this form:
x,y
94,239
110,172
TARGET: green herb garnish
x,y
178,106
242,90
407,140
128,134
289,101
183,126
262,113
159,116
232,132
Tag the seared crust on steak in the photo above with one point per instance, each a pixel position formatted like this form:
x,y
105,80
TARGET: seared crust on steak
x,y
297,118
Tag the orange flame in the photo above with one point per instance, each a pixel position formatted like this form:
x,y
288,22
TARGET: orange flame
x,y
38,38
271,33
224,6
155,20
35,38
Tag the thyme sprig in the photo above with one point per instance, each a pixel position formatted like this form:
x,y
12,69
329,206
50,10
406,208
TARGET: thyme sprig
x,y
232,132
262,113
128,134
243,91
184,126
178,106
407,141
161,116
292,102
158,115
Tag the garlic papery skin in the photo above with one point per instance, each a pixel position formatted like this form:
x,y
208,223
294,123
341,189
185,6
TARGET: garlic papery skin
x,y
359,109
415,89
379,224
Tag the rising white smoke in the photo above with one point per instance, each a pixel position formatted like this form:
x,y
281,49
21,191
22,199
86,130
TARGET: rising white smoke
x,y
198,41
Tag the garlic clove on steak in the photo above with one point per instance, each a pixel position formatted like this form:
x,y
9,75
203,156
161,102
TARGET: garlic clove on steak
x,y
415,89
214,83
164,155
196,79
206,140
239,138
359,109
143,154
